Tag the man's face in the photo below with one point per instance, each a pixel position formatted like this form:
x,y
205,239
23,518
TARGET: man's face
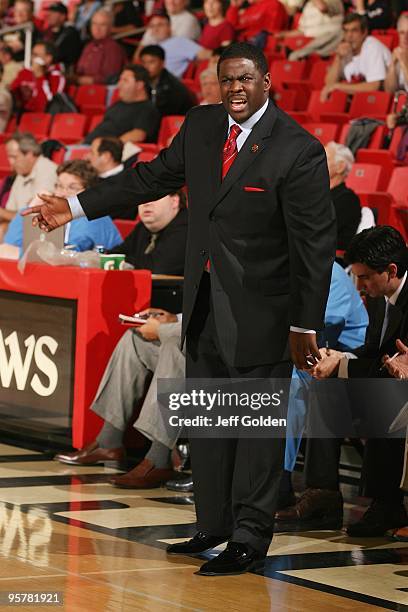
x,y
375,284
100,26
22,13
159,28
68,185
40,56
210,90
95,158
128,86
174,6
156,215
21,163
154,65
403,34
354,35
212,8
243,88
55,19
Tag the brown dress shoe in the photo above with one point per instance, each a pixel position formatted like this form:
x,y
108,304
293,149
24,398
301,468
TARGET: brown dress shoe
x,y
143,476
314,504
93,455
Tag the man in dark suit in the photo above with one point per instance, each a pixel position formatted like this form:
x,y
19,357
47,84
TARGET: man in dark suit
x,y
260,213
379,259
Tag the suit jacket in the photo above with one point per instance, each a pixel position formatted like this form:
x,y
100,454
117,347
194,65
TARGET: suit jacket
x,y
370,354
169,252
271,249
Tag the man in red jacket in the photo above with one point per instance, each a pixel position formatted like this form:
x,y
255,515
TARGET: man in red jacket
x,y
33,89
259,16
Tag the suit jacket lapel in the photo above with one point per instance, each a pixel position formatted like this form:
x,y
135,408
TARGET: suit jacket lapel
x,y
248,153
396,313
215,141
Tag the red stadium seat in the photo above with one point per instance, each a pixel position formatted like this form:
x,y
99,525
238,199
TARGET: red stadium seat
x,y
364,178
380,157
315,80
68,127
370,104
386,39
295,42
169,127
10,128
402,100
79,152
58,156
283,71
381,203
398,186
325,132
94,121
36,123
321,111
91,99
395,140
286,99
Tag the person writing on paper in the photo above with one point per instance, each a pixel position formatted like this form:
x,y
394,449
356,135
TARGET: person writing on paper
x,y
379,261
397,365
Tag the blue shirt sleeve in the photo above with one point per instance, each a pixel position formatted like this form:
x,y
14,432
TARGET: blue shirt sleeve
x,y
85,235
14,234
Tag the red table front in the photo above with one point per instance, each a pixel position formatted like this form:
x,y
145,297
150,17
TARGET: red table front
x,y
58,328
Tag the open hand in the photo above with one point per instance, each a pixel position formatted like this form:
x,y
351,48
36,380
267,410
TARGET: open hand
x,y
398,367
52,213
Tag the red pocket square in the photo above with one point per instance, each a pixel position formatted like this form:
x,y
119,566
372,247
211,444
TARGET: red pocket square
x,y
253,189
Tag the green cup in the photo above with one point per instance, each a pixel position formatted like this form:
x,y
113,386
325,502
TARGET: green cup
x,y
115,261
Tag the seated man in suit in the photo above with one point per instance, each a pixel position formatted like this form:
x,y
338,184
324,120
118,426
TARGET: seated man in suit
x,y
153,348
378,257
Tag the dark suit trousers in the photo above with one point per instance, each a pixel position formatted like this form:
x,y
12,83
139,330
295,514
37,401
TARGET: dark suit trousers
x,y
236,481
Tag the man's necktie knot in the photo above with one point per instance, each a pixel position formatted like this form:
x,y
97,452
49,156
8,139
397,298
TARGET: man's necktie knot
x,y
230,150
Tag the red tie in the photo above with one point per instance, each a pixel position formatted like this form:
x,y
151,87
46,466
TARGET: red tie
x,y
230,150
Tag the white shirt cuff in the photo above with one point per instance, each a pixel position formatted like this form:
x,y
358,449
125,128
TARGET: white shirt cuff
x,y
302,330
75,206
179,317
343,365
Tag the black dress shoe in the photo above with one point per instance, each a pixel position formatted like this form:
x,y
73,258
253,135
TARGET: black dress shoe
x,y
198,544
184,485
378,519
237,558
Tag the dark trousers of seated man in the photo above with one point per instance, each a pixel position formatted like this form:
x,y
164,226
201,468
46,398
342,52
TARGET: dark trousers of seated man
x,y
236,481
381,472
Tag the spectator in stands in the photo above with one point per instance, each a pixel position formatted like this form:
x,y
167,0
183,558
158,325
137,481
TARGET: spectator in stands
x,y
11,68
73,177
153,348
217,31
252,22
158,243
377,12
6,14
397,74
360,59
346,203
379,259
126,17
34,172
65,37
322,21
105,156
34,89
102,57
6,103
134,117
86,9
168,94
179,51
23,12
183,23
210,87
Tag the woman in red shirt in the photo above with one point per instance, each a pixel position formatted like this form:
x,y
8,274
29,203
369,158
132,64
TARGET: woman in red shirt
x,y
260,15
217,32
